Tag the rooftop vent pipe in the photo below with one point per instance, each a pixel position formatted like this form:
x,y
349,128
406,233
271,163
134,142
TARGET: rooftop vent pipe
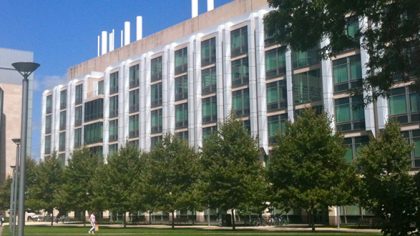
x,y
139,24
194,8
126,33
104,42
210,5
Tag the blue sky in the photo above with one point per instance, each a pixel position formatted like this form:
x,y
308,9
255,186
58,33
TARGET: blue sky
x,y
63,33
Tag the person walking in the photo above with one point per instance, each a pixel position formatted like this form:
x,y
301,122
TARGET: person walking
x,y
92,220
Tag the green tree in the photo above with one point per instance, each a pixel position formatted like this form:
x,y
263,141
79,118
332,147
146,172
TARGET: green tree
x,y
5,194
233,176
390,36
172,170
116,181
77,192
387,189
48,179
307,167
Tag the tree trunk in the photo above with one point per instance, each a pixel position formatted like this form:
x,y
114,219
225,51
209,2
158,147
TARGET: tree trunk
x,y
173,219
84,218
150,217
312,215
124,220
233,219
52,217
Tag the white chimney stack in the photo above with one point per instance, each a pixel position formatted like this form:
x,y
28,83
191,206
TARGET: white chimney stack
x,y
139,24
210,5
104,42
126,33
122,39
99,45
194,8
112,40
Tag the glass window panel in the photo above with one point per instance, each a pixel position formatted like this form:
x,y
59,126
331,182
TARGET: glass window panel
x,y
100,87
113,83
47,146
240,102
134,78
94,110
307,87
78,115
63,99
276,95
48,124
358,108
133,126
355,68
208,52
156,121
93,133
79,94
209,109
63,115
181,115
239,41
181,61
113,130
208,81
134,104
113,106
181,88
49,104
78,138
397,102
340,71
240,72
342,110
156,95
275,62
156,69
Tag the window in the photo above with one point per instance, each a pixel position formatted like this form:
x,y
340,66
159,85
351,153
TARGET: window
x,y
134,143
181,116
208,131
49,104
353,146
133,126
93,133
63,115
182,135
307,87
113,106
113,130
96,150
47,146
404,105
94,110
181,88
79,94
208,81
156,69
208,52
63,99
113,83
133,100
48,124
156,121
239,41
240,72
62,142
100,87
347,73
78,138
276,125
240,102
134,76
78,115
155,140
156,95
306,58
275,63
112,149
247,125
276,95
181,61
209,109
269,36
349,113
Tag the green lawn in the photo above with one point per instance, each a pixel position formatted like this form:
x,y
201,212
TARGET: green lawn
x,y
75,231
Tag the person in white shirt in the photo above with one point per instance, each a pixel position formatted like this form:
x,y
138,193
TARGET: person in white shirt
x,y
92,220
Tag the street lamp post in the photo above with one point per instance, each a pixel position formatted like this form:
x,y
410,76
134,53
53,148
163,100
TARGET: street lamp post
x,y
25,69
12,203
15,188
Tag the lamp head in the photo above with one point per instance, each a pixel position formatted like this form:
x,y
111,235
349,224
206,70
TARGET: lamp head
x,y
16,140
25,68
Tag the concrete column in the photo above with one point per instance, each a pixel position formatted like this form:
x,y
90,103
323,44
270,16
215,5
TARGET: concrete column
x,y
253,115
43,123
106,113
192,106
123,106
197,109
219,74
261,86
144,100
227,92
289,85
104,42
327,85
147,100
71,97
382,106
126,33
139,24
56,117
168,90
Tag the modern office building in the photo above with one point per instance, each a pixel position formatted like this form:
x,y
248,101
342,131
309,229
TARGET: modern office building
x,y
10,107
186,78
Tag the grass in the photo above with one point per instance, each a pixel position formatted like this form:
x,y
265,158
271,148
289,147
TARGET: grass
x,y
76,231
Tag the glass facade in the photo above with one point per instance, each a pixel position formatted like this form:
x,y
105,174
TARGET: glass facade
x,y
62,142
156,69
209,131
182,135
78,138
134,100
133,126
353,146
94,110
181,116
307,87
113,106
208,52
155,140
113,130
209,110
347,73
208,81
275,62
349,113
240,72
63,116
48,104
78,116
181,61
48,124
181,88
100,88
413,136
156,121
63,99
47,145
276,95
113,83
240,102
112,149
306,58
404,105
93,133
156,95
276,126
134,76
239,41
79,94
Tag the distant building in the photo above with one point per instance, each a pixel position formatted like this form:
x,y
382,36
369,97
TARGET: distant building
x,y
10,107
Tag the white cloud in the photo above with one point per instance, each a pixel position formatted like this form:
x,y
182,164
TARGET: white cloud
x,y
49,82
